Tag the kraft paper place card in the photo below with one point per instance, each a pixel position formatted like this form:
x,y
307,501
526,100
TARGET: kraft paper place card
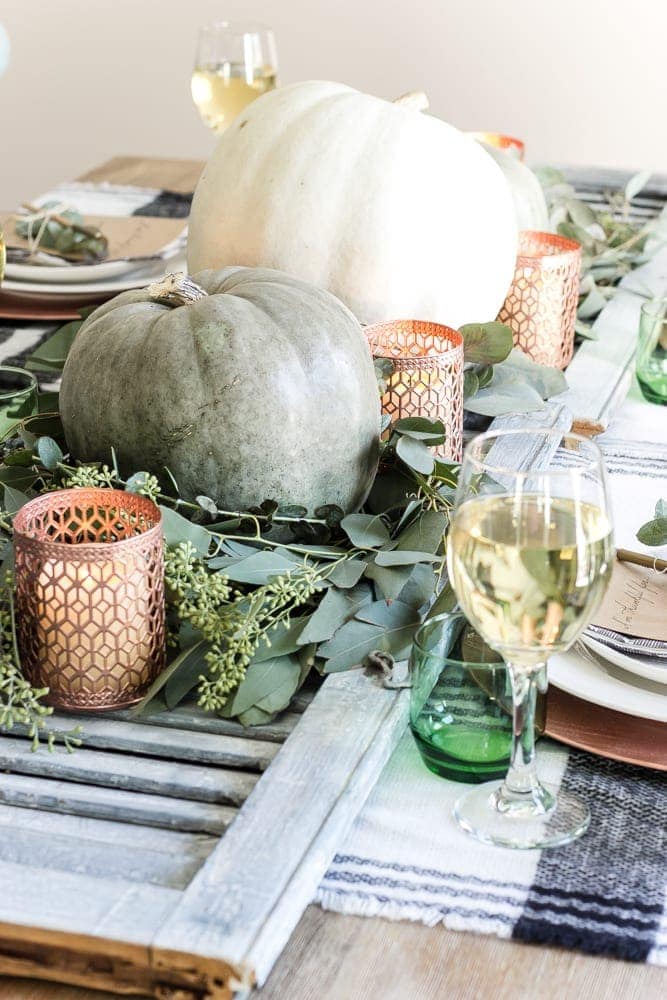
x,y
133,237
635,603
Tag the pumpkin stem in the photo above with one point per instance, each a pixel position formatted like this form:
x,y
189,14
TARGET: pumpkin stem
x,y
175,290
415,99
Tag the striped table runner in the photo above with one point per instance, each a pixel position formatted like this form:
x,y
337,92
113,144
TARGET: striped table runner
x,y
405,859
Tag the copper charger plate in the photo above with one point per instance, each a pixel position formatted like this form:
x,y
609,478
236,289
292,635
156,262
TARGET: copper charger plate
x,y
16,307
604,732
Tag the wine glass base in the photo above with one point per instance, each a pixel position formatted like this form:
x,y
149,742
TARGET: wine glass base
x,y
523,827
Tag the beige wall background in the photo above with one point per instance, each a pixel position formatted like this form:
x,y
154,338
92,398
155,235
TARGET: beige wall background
x,y
582,81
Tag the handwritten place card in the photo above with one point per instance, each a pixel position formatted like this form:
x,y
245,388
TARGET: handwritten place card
x,y
135,236
635,603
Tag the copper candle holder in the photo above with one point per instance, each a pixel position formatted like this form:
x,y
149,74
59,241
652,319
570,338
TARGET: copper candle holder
x,y
541,305
427,380
90,612
508,143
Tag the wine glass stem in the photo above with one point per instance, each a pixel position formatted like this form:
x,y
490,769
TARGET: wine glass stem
x,y
522,786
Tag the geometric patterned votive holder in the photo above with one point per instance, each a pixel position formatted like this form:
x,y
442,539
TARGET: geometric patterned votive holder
x,y
427,380
541,305
90,614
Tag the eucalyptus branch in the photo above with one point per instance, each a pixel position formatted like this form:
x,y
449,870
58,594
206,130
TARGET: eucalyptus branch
x,y
113,479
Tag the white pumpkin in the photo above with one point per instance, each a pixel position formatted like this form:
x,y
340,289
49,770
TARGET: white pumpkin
x,y
397,213
529,201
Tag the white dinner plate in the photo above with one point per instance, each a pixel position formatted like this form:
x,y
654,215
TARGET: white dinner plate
x,y
44,292
67,274
650,667
604,684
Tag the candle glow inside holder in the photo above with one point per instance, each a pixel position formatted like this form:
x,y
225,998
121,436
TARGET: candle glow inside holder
x,y
541,305
90,614
427,377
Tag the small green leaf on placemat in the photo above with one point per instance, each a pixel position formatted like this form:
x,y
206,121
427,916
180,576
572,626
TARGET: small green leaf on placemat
x,y
654,532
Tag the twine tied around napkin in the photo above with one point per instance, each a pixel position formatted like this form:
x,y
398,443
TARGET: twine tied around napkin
x,y
56,229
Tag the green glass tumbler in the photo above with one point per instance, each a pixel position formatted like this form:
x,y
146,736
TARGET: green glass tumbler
x,y
18,398
461,702
652,351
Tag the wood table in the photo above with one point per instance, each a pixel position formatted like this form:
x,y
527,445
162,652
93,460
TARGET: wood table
x,y
353,958
331,957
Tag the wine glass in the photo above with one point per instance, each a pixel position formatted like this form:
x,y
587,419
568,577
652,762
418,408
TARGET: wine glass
x,y
18,398
234,64
529,555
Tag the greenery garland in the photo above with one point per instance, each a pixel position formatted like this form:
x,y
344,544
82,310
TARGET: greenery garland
x,y
258,599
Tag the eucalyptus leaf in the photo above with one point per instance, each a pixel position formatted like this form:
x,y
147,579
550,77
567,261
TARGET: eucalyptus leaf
x,y
425,534
331,513
177,529
349,646
519,369
399,557
420,586
486,343
653,532
266,685
388,614
389,580
421,429
661,508
288,671
260,568
347,573
494,402
255,717
41,425
592,304
580,213
365,531
18,477
207,505
636,184
14,499
181,682
193,652
415,454
284,639
470,383
445,602
335,608
390,491
292,510
49,453
241,549
52,354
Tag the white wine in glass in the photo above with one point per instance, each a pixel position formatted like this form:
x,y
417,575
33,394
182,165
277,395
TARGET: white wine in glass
x,y
529,556
234,65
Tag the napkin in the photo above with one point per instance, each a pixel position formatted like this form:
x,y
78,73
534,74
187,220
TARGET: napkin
x,y
130,237
632,618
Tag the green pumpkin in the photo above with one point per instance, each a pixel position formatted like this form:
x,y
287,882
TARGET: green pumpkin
x,y
246,384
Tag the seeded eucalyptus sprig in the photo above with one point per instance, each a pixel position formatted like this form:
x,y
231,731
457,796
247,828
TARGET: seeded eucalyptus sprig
x,y
21,704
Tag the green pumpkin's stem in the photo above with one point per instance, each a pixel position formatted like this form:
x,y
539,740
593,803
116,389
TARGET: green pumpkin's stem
x,y
175,290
